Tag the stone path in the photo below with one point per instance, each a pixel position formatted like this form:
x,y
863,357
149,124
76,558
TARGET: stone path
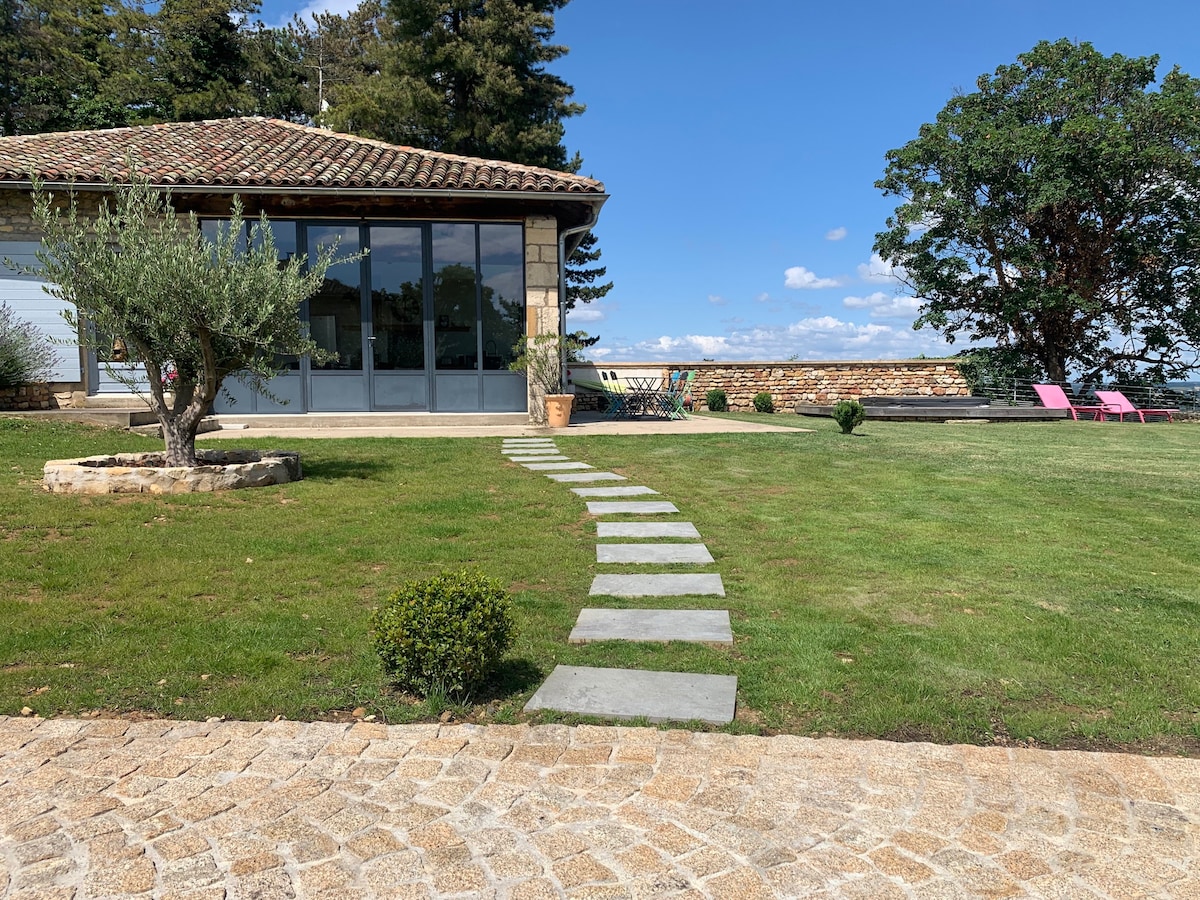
x,y
638,507
216,810
704,584
694,554
632,693
704,625
636,693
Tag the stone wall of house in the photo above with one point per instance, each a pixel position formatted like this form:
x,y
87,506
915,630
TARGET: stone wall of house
x,y
16,212
27,397
820,383
541,292
16,219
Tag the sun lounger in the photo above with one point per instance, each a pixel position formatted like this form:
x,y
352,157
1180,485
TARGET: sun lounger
x,y
1054,397
1116,404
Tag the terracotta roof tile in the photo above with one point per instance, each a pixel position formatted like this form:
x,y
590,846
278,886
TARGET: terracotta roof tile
x,y
258,152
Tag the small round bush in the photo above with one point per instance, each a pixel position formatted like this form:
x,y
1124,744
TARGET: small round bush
x,y
763,402
848,414
445,634
717,401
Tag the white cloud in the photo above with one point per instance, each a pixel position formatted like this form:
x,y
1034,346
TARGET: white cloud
x,y
878,270
813,338
874,299
885,306
800,278
836,234
763,297
585,313
314,7
717,300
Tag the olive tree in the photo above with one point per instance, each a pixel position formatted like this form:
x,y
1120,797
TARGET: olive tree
x,y
190,310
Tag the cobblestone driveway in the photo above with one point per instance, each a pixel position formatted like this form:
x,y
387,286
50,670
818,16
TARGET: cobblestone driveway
x,y
233,809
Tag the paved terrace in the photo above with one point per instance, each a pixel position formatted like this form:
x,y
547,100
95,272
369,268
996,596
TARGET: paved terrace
x,y
582,425
104,808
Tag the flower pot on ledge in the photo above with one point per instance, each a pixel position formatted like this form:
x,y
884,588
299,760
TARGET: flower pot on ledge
x,y
558,410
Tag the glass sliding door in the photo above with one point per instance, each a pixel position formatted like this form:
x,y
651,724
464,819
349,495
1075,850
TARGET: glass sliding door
x,y
335,319
284,392
397,340
455,319
502,276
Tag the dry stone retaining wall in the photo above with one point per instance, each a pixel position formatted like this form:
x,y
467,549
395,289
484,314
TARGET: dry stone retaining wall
x,y
790,383
822,383
26,397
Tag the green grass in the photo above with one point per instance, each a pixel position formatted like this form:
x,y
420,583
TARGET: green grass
x,y
1032,583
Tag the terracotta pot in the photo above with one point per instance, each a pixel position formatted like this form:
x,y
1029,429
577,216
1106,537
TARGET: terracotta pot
x,y
558,409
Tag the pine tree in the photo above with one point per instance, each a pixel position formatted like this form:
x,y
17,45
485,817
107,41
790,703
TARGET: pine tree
x,y
55,57
466,77
199,61
340,57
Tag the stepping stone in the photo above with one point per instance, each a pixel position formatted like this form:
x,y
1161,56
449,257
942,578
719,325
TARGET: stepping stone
x,y
602,508
556,466
634,693
653,553
532,451
645,529
656,585
525,459
588,476
623,491
508,441
709,626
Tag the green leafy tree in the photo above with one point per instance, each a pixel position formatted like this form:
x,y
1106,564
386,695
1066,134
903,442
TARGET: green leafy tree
x,y
137,274
1056,211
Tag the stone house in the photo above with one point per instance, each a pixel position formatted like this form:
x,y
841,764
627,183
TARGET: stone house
x,y
466,255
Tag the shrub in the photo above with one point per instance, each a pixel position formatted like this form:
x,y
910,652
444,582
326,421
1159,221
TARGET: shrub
x,y
445,634
763,402
848,414
25,353
717,401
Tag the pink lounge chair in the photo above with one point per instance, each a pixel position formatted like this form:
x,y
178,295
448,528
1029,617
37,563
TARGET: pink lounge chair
x,y
1116,404
1054,397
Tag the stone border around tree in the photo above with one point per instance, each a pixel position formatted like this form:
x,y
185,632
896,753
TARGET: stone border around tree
x,y
147,473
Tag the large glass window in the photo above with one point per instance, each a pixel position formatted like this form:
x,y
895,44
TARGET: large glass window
x,y
502,273
283,232
397,297
455,312
335,312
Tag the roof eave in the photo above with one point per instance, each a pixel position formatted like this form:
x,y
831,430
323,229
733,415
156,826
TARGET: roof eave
x,y
325,190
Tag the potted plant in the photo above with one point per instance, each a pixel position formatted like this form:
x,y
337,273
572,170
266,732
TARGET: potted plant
x,y
540,357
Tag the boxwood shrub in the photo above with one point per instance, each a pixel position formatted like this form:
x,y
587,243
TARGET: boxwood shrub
x,y
443,635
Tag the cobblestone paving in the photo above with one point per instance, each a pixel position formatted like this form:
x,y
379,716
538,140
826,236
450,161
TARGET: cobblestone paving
x,y
233,809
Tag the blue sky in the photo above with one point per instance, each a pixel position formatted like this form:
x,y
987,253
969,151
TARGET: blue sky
x,y
740,150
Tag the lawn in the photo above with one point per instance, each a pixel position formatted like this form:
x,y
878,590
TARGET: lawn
x,y
1030,584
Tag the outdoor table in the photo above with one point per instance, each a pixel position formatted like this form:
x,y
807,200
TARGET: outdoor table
x,y
645,396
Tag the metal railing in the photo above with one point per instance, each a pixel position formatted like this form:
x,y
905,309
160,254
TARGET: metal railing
x,y
1184,396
